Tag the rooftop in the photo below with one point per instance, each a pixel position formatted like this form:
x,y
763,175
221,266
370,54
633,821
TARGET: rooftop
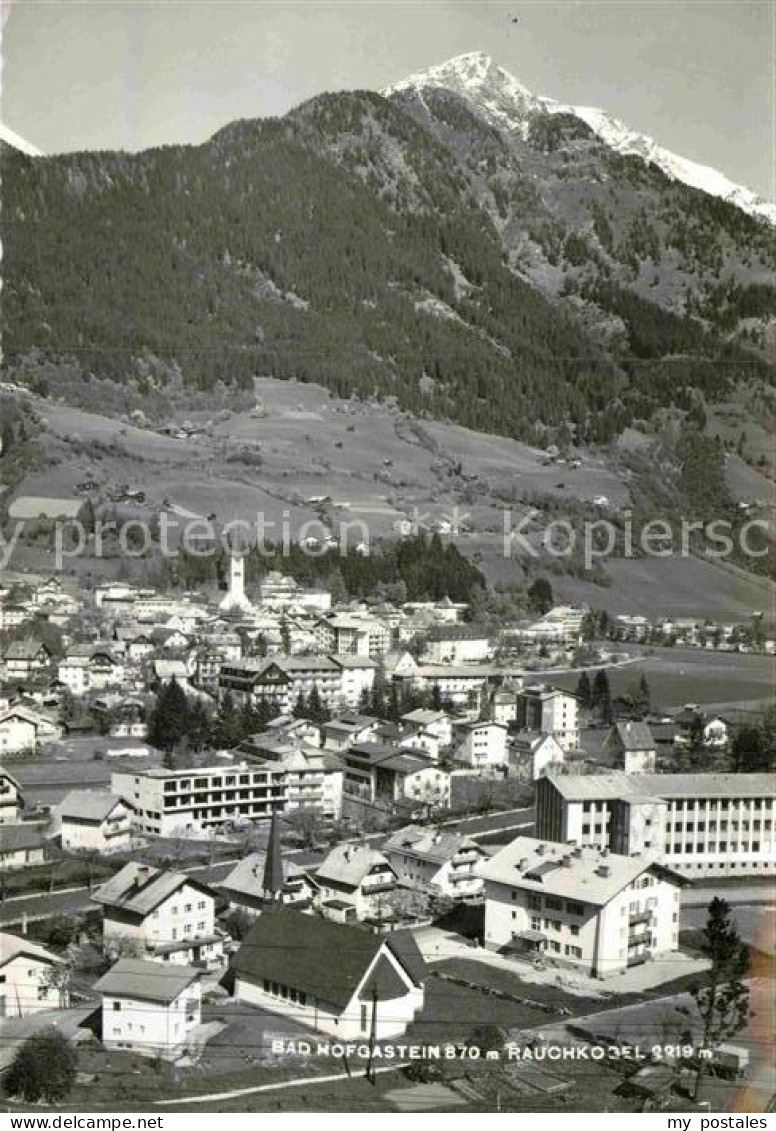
x,y
147,981
594,787
585,874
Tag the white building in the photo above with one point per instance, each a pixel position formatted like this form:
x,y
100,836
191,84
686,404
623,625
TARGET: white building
x,y
580,907
550,710
699,824
149,1009
235,599
436,723
351,881
436,860
25,973
533,754
11,799
282,679
481,744
18,731
456,644
92,821
634,747
167,916
368,985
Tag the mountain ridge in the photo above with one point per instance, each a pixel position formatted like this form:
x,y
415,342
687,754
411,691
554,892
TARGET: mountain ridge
x,y
495,91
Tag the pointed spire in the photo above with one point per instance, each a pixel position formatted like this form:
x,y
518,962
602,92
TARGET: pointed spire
x,y
273,864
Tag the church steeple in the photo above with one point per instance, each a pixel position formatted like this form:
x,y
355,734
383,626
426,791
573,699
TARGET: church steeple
x,y
273,863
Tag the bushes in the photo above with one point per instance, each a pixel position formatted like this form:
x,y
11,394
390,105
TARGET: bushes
x,y
43,1069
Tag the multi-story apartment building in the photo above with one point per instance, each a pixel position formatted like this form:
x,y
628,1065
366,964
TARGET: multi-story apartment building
x,y
283,679
579,906
481,744
342,636
456,644
173,801
712,824
93,820
551,711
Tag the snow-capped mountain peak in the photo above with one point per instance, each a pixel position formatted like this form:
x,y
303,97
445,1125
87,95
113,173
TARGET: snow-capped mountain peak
x,y
505,104
9,137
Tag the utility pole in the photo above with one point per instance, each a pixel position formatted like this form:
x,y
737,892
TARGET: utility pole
x,y
370,1073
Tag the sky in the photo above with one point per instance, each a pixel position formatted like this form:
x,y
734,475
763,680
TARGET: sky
x,y
697,75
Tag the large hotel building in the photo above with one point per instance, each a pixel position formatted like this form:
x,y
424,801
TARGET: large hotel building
x,y
712,824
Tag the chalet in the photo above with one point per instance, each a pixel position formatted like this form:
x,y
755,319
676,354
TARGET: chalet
x,y
19,729
352,881
168,916
436,860
22,659
368,985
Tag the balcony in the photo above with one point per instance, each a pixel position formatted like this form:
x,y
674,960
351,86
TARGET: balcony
x,y
639,917
643,937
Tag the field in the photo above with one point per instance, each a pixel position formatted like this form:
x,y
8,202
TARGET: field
x,y
692,675
301,455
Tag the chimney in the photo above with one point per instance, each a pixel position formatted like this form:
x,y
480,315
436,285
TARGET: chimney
x,y
576,852
522,863
603,870
604,852
565,861
540,849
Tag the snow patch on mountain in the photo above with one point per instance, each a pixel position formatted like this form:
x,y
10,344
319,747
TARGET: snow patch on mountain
x,y
506,104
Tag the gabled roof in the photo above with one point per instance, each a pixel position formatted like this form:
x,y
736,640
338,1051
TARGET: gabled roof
x,y
141,889
12,946
348,864
90,805
635,735
138,978
435,845
247,877
26,649
323,959
16,838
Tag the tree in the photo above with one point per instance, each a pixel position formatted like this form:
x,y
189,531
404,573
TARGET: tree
x,y
44,1068
602,696
169,721
723,996
317,711
308,824
585,691
753,749
540,595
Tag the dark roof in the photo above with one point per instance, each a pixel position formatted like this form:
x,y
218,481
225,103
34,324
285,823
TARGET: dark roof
x,y
14,838
325,959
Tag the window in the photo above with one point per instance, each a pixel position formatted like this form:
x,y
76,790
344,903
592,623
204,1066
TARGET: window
x,y
117,1007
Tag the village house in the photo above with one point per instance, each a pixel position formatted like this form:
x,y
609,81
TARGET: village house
x,y
282,679
26,971
378,771
22,845
23,659
352,881
580,907
345,730
532,754
149,1009
167,916
94,821
264,879
436,723
436,861
369,984
19,730
11,798
633,746
551,711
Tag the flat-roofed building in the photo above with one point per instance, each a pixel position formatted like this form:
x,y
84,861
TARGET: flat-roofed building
x,y
712,824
